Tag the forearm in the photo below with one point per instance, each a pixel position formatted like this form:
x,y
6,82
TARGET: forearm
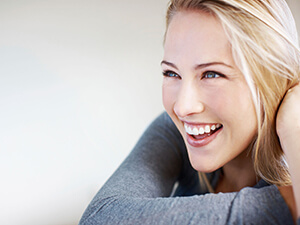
x,y
291,147
149,171
134,193
180,210
249,206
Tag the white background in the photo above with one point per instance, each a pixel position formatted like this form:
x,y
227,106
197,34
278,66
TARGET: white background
x,y
79,83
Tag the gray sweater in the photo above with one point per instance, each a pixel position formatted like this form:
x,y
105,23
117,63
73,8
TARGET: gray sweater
x,y
143,190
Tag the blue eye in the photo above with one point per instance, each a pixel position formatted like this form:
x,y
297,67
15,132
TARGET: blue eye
x,y
170,74
211,74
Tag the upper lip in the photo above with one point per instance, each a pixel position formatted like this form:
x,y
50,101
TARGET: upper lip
x,y
197,123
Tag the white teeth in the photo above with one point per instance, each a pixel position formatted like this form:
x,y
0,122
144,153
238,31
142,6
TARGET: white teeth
x,y
213,127
196,131
207,129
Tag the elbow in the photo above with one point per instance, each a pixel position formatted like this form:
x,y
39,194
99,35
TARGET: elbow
x,y
99,211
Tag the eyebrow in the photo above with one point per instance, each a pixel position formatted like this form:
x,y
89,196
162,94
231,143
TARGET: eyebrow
x,y
199,66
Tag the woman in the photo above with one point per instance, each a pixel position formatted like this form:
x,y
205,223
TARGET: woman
x,y
227,66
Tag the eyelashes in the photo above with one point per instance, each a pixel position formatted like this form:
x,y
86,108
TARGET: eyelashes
x,y
204,75
169,73
211,74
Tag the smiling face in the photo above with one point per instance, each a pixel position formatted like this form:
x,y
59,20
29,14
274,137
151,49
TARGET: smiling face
x,y
204,92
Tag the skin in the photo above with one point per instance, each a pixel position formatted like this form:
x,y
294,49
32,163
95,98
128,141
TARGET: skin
x,y
288,130
203,86
195,38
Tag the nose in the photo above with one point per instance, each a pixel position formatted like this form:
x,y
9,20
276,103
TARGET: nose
x,y
188,100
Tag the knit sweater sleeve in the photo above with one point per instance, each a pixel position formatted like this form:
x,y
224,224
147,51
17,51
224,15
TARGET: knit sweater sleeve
x,y
138,192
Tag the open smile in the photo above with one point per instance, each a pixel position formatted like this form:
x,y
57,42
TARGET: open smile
x,y
200,135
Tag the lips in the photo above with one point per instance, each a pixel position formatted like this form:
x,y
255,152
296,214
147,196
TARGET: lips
x,y
200,135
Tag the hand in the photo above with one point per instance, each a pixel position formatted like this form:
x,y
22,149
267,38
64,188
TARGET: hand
x,y
288,117
288,131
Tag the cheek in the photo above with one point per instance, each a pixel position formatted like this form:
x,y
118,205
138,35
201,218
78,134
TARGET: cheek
x,y
233,108
217,100
168,96
239,112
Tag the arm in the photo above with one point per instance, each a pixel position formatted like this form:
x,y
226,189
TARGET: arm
x,y
137,193
288,129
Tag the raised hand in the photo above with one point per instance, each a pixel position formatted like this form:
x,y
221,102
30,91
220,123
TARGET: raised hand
x,y
288,130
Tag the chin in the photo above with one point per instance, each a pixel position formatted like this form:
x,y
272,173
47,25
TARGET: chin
x,y
204,167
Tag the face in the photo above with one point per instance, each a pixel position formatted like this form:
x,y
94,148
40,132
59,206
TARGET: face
x,y
204,92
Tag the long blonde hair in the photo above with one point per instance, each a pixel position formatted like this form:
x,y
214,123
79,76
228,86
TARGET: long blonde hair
x,y
264,44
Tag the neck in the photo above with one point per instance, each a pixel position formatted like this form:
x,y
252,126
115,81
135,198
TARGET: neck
x,y
237,174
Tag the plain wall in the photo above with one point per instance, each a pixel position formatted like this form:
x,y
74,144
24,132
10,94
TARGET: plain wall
x,y
79,83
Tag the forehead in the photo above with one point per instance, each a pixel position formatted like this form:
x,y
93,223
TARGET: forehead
x,y
197,34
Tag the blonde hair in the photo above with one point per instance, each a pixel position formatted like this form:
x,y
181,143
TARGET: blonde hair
x,y
264,44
